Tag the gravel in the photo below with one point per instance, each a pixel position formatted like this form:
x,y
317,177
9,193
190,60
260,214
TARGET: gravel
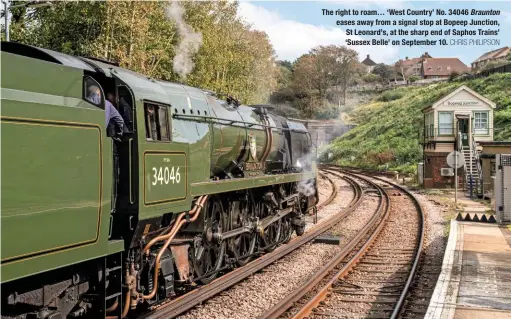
x,y
324,188
433,253
344,196
438,213
253,296
389,250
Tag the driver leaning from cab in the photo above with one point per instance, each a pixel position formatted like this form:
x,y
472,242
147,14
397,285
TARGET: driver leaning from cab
x,y
114,120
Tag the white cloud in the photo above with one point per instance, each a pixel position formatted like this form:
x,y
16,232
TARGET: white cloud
x,y
291,39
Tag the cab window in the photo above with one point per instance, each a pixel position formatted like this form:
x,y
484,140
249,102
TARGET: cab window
x,y
92,92
156,122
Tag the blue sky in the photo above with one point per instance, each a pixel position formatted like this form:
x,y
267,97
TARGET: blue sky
x,y
294,27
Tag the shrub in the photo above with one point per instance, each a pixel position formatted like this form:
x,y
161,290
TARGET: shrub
x,y
327,112
390,96
453,75
371,78
413,78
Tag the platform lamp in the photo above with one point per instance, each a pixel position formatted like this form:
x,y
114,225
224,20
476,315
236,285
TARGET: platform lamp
x,y
28,4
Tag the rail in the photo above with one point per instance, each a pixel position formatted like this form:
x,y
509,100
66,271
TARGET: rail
x,y
332,194
416,261
301,291
322,294
193,298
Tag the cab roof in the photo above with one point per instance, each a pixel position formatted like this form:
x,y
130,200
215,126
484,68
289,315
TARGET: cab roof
x,y
45,55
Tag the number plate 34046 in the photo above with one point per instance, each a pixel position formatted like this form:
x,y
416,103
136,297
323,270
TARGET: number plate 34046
x,y
165,178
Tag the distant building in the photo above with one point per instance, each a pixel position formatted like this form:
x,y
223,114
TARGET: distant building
x,y
435,68
427,67
492,56
369,64
409,67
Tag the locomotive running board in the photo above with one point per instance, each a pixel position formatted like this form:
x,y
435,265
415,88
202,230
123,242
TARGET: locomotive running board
x,y
228,185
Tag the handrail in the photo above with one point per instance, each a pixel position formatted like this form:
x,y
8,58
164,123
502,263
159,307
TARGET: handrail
x,y
475,155
460,144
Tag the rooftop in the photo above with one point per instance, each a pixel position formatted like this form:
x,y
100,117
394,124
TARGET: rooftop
x,y
495,54
443,66
368,61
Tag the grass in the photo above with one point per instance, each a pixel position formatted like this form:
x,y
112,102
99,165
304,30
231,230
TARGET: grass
x,y
387,132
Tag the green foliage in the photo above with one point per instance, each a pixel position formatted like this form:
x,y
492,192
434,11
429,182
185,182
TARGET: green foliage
x,y
326,112
413,78
317,80
286,111
453,76
388,96
385,72
371,78
288,65
387,131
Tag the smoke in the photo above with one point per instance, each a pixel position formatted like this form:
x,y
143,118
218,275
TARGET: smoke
x,y
306,188
190,41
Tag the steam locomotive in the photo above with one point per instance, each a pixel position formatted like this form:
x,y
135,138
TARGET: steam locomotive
x,y
96,228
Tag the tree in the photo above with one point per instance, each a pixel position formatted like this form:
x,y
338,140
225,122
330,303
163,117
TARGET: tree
x,y
400,67
286,64
326,67
137,35
343,63
305,80
146,37
284,76
385,72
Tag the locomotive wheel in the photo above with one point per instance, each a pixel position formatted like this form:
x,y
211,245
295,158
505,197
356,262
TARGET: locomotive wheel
x,y
244,244
209,254
287,229
272,235
287,225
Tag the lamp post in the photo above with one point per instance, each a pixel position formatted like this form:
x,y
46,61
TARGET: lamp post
x,y
29,4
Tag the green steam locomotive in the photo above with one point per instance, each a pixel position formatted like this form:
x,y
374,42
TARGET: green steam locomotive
x,y
96,227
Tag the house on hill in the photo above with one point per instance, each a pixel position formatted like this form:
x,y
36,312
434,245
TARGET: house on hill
x,y
435,68
427,67
369,64
492,56
413,66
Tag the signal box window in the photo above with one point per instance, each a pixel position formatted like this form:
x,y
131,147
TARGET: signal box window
x,y
157,122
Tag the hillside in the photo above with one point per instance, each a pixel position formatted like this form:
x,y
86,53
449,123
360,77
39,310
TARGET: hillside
x,y
387,135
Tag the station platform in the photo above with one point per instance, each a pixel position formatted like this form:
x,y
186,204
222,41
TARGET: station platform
x,y
475,281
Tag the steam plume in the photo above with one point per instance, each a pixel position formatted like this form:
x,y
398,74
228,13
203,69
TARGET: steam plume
x,y
306,187
189,44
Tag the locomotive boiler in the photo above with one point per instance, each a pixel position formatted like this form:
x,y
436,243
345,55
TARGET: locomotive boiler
x,y
97,228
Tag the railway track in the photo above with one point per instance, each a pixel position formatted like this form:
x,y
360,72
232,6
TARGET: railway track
x,y
372,274
201,294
